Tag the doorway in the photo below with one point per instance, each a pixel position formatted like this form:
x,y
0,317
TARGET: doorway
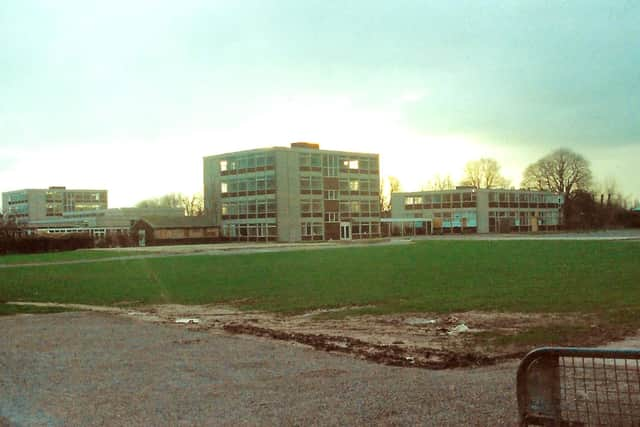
x,y
345,231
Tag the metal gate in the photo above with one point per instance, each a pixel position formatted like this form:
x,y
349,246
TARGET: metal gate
x,y
579,387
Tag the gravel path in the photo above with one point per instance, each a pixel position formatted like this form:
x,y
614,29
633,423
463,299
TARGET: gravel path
x,y
97,369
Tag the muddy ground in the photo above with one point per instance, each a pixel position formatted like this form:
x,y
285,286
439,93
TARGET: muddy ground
x,y
426,340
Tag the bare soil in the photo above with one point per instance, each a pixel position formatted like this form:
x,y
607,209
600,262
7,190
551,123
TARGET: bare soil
x,y
425,340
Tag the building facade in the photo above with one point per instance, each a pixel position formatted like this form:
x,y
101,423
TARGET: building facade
x,y
467,209
100,223
151,231
39,204
293,194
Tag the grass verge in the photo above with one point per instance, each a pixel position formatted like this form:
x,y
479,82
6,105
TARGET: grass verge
x,y
80,254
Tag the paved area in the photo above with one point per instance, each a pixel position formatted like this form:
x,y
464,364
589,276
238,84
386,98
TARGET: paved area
x,y
99,369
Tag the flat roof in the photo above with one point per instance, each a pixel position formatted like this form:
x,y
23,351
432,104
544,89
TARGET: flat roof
x,y
294,148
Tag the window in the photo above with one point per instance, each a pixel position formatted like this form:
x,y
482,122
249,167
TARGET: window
x,y
330,165
331,195
331,216
223,165
224,187
311,229
355,206
413,200
311,206
316,183
271,182
354,185
353,164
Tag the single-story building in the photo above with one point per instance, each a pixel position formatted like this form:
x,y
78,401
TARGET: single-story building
x,y
162,230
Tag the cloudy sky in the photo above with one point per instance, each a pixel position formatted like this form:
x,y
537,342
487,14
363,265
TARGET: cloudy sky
x,y
130,95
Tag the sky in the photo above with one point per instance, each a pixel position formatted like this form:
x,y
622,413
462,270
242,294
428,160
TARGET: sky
x,y
131,95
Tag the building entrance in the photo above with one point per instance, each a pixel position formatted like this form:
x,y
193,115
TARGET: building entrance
x,y
345,231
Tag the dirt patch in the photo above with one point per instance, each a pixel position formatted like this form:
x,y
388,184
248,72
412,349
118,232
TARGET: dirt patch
x,y
426,340
393,355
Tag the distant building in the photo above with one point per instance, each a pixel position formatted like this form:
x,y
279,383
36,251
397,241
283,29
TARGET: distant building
x,y
100,223
151,231
293,194
467,209
38,204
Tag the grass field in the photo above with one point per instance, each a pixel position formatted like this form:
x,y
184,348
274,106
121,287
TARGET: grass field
x,y
61,256
437,276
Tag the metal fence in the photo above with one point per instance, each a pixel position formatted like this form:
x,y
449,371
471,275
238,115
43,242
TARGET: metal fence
x,y
579,387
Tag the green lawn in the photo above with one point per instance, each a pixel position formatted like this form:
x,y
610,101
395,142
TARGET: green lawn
x,y
439,276
61,256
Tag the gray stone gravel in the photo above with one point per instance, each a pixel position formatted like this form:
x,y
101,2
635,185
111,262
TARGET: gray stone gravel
x,y
97,369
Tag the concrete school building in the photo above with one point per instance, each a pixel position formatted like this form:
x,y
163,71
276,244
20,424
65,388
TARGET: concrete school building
x,y
295,193
467,209
100,223
40,204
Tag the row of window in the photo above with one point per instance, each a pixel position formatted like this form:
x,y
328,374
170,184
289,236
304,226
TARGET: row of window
x,y
361,184
310,183
523,218
251,231
15,198
85,196
334,161
69,198
365,229
311,229
247,161
362,207
524,197
440,198
253,183
260,207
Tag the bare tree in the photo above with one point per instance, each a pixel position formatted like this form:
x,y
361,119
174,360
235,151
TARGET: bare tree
x,y
193,205
562,171
385,197
484,173
171,200
439,183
